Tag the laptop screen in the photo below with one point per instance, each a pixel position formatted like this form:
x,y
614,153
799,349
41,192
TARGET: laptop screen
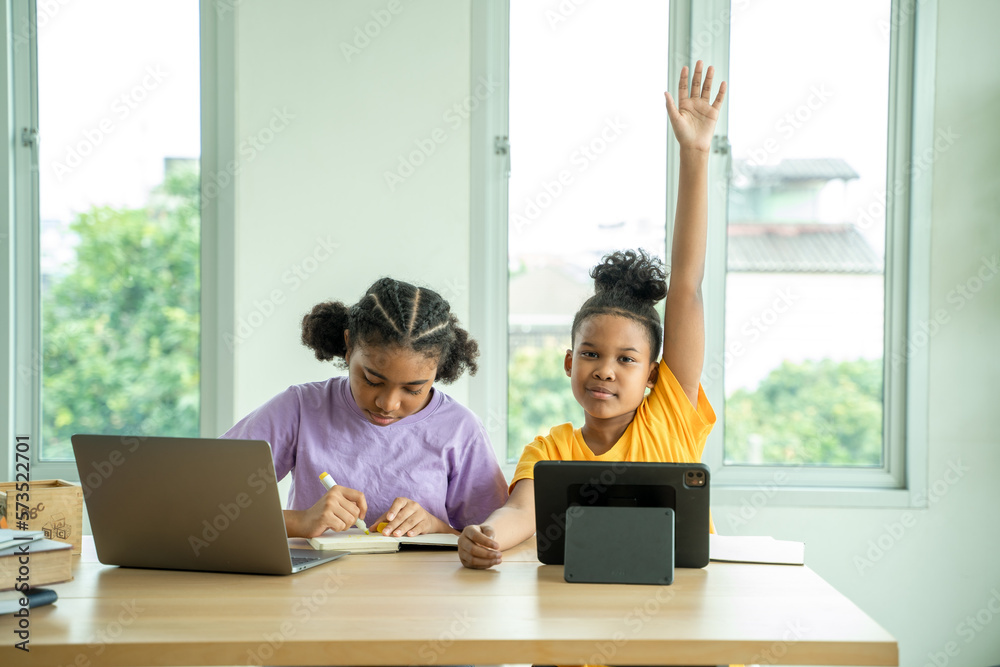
x,y
183,503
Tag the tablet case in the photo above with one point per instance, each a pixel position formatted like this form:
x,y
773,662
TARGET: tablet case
x,y
683,487
619,545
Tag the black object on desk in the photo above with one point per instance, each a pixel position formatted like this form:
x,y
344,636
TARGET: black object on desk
x,y
682,487
37,597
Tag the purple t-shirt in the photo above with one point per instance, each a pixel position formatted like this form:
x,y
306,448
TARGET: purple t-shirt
x,y
439,457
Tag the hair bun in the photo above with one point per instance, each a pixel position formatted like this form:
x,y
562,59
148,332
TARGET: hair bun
x,y
632,274
323,330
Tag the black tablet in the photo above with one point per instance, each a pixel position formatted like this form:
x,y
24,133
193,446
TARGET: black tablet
x,y
683,487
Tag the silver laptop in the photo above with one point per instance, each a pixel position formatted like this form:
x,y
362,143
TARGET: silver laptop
x,y
187,504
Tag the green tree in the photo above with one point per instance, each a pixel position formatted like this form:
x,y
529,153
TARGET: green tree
x,y
812,413
539,396
121,329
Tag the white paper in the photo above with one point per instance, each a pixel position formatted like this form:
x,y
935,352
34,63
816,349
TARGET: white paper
x,y
753,549
356,541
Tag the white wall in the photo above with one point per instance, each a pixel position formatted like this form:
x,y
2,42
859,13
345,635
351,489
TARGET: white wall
x,y
323,175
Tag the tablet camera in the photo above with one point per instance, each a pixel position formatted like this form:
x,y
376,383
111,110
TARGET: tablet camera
x,y
694,478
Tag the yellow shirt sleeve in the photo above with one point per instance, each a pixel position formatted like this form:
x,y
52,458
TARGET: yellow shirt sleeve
x,y
667,427
556,446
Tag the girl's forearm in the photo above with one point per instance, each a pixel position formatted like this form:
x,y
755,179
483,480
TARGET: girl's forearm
x,y
687,260
511,526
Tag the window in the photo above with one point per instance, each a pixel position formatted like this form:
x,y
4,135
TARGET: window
x,y
817,261
825,260
804,327
108,234
588,176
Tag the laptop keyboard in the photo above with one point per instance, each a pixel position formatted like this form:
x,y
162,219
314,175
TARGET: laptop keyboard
x,y
299,560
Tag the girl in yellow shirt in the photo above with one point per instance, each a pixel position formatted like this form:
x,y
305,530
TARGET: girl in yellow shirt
x,y
616,339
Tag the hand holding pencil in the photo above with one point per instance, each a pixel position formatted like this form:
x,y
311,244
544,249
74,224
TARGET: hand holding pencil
x,y
329,484
338,509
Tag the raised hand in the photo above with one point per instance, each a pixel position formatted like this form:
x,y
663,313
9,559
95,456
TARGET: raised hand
x,y
694,115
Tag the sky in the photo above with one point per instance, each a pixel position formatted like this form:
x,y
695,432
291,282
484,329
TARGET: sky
x,y
118,90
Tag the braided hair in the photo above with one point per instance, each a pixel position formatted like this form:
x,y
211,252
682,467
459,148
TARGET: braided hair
x,y
398,314
627,283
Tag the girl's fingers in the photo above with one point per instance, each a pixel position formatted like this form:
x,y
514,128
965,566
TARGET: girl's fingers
x,y
706,91
484,541
721,96
477,563
484,558
671,108
355,496
405,514
392,525
481,558
342,519
696,80
476,549
682,88
481,536
397,505
408,524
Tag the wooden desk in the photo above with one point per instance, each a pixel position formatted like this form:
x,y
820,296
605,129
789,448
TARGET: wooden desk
x,y
425,608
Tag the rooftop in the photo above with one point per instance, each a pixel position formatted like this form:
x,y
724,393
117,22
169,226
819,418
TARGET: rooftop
x,y
800,248
820,169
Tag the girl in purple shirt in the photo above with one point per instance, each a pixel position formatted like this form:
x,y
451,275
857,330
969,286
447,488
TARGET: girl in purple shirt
x,y
400,450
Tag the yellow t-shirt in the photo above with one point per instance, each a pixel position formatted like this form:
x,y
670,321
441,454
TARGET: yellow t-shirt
x,y
666,428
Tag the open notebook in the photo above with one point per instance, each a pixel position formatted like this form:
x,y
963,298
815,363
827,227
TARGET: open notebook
x,y
357,542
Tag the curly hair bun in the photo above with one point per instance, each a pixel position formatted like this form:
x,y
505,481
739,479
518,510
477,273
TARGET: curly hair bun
x,y
632,274
323,330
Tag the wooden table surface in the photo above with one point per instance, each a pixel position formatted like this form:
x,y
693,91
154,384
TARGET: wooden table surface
x,y
423,607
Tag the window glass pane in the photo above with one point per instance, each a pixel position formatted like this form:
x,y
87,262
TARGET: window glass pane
x,y
805,291
588,174
119,125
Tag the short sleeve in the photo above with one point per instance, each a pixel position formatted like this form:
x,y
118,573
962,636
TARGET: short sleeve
x,y
668,407
476,486
542,448
277,422
532,454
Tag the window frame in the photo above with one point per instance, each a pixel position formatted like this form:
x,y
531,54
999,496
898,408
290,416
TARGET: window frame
x,y
7,362
488,272
219,146
7,242
20,321
701,31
